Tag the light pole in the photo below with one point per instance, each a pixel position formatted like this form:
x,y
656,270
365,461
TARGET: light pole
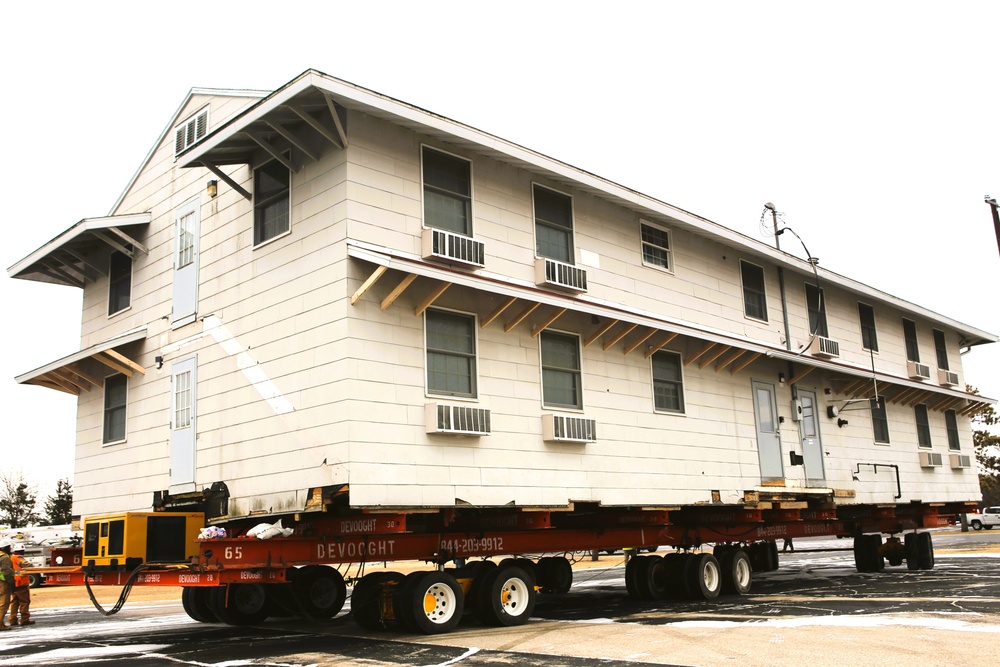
x,y
996,217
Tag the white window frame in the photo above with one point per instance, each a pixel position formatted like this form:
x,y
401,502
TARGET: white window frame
x,y
824,330
572,222
474,397
885,413
956,445
861,325
190,121
943,349
743,294
916,420
423,185
104,412
652,377
291,184
669,250
541,373
916,341
131,283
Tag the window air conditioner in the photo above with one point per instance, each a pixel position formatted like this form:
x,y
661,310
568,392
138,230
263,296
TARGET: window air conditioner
x,y
453,248
550,273
557,428
918,371
947,378
960,460
930,459
825,347
457,419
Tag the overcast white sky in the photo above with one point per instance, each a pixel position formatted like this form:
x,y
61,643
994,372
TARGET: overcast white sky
x,y
872,126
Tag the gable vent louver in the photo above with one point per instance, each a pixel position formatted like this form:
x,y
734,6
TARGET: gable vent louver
x,y
191,132
457,419
552,273
558,428
455,248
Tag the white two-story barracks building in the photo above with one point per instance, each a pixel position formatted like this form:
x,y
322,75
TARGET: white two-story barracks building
x,y
323,288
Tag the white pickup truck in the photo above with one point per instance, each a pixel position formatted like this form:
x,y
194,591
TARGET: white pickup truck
x,y
987,519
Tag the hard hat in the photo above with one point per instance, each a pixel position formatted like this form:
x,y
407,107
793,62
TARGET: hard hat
x,y
5,544
18,548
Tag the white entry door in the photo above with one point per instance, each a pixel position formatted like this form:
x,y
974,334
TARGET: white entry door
x,y
812,446
183,424
765,406
187,235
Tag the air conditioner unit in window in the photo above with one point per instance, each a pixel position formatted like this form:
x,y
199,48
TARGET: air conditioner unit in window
x,y
918,371
457,419
825,347
549,272
930,459
557,428
453,248
947,378
960,460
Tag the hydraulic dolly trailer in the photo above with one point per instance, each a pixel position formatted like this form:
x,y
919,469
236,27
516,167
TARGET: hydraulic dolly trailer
x,y
242,581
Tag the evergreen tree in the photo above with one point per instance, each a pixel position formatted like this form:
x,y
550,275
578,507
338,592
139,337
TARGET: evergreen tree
x,y
17,501
59,508
987,446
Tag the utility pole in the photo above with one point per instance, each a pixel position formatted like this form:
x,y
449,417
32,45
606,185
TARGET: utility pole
x,y
996,217
781,278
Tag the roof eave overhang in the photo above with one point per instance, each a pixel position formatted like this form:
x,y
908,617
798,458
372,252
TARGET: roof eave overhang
x,y
503,286
67,375
64,261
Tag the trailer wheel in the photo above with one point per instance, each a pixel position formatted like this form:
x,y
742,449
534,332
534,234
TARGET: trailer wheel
x,y
320,591
506,597
703,577
239,604
429,602
35,580
631,573
525,564
925,551
195,600
737,573
912,551
371,601
866,553
555,574
674,565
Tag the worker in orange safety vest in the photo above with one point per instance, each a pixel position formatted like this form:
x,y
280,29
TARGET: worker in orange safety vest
x,y
20,598
6,581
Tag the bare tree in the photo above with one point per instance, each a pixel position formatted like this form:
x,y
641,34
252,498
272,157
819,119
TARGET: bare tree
x,y
17,500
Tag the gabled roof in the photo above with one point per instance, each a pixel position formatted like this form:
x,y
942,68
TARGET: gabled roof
x,y
305,116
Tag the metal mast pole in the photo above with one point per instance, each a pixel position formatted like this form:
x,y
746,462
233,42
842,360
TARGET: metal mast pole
x,y
996,217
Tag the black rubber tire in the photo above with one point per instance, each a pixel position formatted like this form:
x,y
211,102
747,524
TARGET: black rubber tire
x,y
506,597
737,572
240,604
912,551
555,575
866,555
35,580
675,564
631,573
764,556
194,599
987,527
525,564
703,577
925,551
371,601
319,591
413,598
976,525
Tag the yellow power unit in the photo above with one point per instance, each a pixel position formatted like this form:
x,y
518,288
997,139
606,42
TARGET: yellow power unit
x,y
125,541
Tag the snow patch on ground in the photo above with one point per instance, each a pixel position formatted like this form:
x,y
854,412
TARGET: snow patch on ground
x,y
844,621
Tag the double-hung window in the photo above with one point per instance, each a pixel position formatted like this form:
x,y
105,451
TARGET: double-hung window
x,y
880,421
668,382
115,401
271,189
451,353
816,302
119,283
562,382
656,246
941,348
951,423
869,339
447,192
754,296
923,425
553,224
910,336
